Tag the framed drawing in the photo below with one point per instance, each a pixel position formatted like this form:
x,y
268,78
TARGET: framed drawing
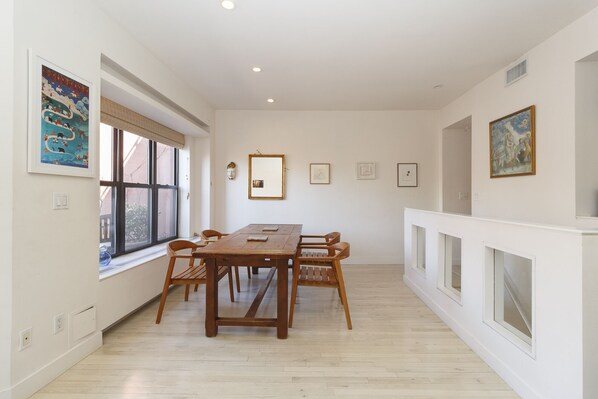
x,y
406,175
60,137
366,170
513,144
266,177
319,173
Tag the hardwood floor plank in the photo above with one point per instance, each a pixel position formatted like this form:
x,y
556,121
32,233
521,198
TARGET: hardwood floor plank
x,y
398,348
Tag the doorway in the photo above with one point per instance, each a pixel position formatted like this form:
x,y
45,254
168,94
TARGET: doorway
x,y
456,167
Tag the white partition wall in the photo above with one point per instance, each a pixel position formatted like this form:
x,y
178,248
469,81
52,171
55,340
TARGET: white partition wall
x,y
552,281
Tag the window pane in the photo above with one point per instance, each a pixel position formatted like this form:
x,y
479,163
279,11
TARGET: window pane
x,y
107,236
135,158
513,293
164,164
106,151
137,217
166,213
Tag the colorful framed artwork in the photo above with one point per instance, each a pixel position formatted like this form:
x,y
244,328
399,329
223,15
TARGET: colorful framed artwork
x,y
406,175
513,144
366,170
319,173
61,121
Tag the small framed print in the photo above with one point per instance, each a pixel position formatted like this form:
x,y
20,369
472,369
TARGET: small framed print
x,y
366,170
319,173
406,175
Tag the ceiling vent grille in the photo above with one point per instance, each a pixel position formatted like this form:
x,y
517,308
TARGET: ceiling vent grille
x,y
516,72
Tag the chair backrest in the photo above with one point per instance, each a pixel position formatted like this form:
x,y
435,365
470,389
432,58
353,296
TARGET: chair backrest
x,y
178,245
333,238
206,234
342,250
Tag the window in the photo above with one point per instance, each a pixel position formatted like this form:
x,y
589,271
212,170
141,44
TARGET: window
x,y
138,191
419,248
449,275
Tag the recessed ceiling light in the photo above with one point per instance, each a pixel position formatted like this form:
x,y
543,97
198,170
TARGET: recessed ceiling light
x,y
256,69
270,100
228,4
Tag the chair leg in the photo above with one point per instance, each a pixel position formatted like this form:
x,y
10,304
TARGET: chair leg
x,y
163,300
187,292
248,272
230,285
237,277
341,286
294,293
196,286
338,290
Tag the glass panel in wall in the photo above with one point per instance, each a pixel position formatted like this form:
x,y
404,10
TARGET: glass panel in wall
x,y
452,263
135,158
166,213
137,217
513,293
420,238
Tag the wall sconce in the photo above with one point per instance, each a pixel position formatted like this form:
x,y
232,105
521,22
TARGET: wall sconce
x,y
231,170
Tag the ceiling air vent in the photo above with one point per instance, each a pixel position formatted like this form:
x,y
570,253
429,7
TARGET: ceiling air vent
x,y
516,72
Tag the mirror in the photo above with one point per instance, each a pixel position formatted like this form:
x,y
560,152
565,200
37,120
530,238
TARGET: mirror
x,y
266,177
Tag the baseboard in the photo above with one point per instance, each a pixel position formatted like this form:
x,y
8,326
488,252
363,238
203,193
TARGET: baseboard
x,y
42,377
388,260
502,369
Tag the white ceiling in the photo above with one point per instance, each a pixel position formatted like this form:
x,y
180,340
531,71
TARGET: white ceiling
x,y
340,54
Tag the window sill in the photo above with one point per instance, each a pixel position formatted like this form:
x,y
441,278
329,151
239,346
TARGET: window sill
x,y
134,259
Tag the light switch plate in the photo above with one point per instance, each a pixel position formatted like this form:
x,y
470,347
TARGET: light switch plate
x,y
61,201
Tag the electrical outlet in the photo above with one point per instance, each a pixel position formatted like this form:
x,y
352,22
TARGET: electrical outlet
x,y
58,323
25,339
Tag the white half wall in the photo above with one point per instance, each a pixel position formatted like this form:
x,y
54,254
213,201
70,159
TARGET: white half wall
x,y
549,196
368,213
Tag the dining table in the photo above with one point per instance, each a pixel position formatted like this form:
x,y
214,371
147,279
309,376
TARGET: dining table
x,y
256,245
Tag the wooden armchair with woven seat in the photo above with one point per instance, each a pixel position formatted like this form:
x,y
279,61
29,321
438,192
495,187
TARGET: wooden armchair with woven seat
x,y
319,240
193,274
321,271
210,235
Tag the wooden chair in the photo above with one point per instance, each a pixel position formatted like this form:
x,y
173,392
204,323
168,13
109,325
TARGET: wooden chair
x,y
193,274
321,271
209,235
319,240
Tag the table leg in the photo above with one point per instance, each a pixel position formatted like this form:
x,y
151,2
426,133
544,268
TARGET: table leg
x,y
282,271
211,298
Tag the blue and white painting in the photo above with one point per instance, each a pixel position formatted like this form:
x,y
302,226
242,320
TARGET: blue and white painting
x,y
64,120
512,144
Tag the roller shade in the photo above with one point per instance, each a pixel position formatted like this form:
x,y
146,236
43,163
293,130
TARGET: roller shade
x,y
123,118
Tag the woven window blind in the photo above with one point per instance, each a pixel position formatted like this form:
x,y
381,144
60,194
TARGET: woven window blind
x,y
121,117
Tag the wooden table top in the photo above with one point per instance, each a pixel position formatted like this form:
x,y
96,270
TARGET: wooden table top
x,y
280,243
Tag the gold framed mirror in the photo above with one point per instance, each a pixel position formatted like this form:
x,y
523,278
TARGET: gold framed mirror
x,y
266,177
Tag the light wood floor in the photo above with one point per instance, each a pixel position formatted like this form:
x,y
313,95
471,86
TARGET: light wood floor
x,y
398,348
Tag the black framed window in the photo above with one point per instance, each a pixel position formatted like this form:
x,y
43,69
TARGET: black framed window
x,y
138,191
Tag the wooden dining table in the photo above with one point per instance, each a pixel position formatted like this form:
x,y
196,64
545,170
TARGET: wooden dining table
x,y
241,249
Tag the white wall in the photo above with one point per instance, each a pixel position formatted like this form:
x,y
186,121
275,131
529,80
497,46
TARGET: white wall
x,y
6,115
549,196
55,253
368,213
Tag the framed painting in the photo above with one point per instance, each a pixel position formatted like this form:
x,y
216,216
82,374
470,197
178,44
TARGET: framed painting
x,y
266,177
513,144
366,170
406,175
61,123
319,173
